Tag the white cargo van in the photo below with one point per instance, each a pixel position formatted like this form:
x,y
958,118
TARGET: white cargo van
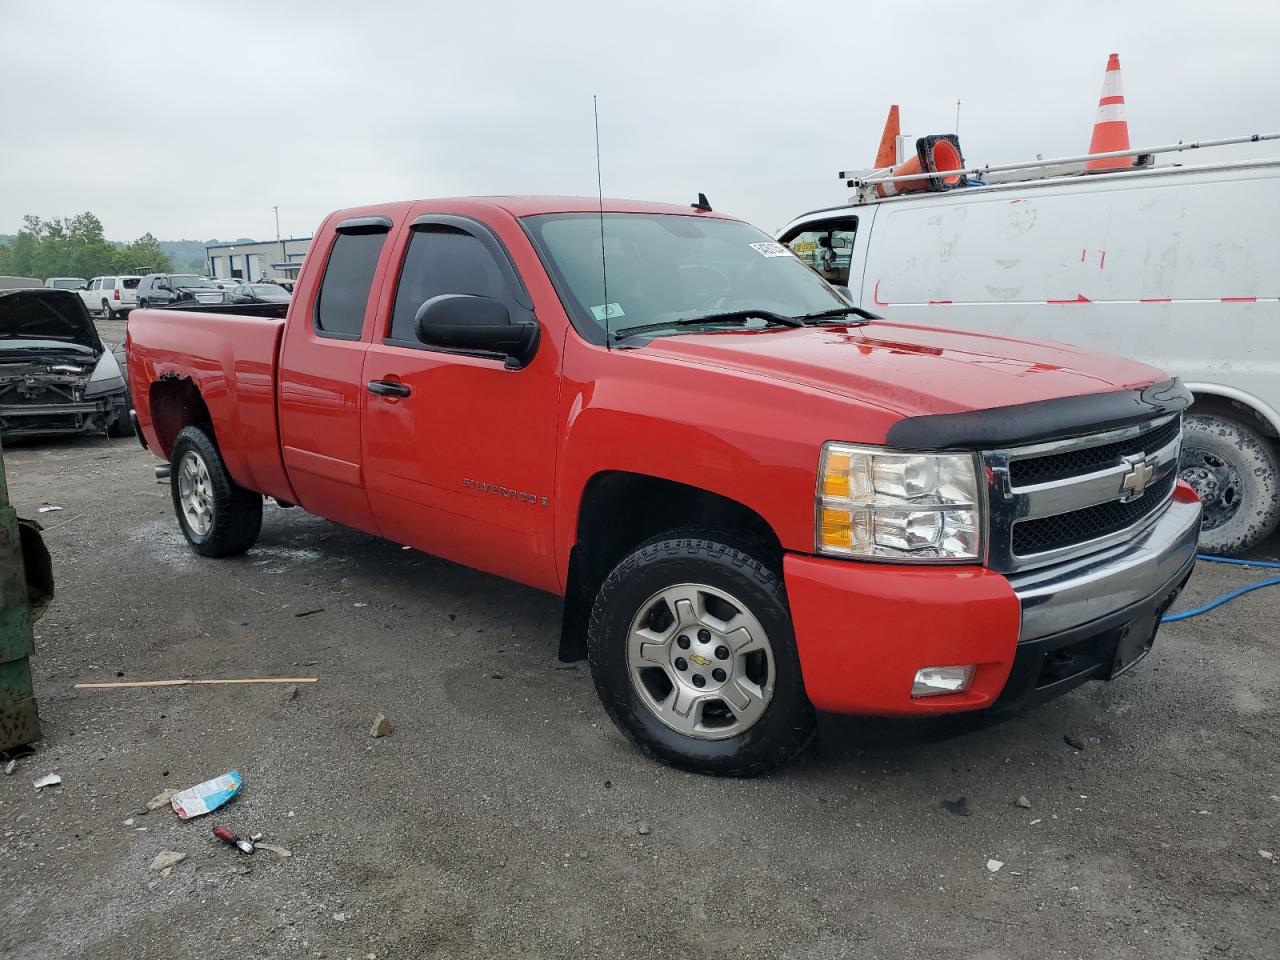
x,y
1175,265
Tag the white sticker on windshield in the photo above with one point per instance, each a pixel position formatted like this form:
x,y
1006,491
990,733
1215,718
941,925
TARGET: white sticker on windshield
x,y
607,311
771,249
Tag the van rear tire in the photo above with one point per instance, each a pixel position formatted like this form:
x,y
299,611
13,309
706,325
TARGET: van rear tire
x,y
1236,472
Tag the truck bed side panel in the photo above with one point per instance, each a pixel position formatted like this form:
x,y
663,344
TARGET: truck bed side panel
x,y
231,360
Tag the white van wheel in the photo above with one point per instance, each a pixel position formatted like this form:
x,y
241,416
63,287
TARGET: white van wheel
x,y
1234,470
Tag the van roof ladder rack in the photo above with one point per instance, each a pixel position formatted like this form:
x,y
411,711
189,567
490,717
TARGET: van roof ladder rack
x,y
865,181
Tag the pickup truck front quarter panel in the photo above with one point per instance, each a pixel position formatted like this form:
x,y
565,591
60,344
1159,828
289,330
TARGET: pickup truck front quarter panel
x,y
756,444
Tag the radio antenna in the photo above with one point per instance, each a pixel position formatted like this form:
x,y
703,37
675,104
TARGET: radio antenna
x,y
604,270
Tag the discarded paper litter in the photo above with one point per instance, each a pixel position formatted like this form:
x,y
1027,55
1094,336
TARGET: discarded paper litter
x,y
207,796
48,780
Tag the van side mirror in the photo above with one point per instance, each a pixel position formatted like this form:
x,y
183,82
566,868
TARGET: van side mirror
x,y
465,322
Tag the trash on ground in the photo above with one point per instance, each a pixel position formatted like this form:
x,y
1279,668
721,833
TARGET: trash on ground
x,y
340,916
278,851
1266,855
1035,821
194,683
959,806
381,726
1022,802
227,835
161,799
10,766
49,508
48,780
995,865
166,860
207,796
255,837
644,829
308,613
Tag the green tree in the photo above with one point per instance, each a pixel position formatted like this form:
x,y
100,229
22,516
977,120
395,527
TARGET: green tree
x,y
75,247
143,254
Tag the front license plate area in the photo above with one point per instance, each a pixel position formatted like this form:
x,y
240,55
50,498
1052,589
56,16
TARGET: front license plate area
x,y
1132,645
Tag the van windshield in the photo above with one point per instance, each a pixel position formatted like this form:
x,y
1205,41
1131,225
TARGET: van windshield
x,y
663,268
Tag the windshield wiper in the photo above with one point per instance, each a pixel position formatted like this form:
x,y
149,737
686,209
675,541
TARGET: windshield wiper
x,y
866,315
730,316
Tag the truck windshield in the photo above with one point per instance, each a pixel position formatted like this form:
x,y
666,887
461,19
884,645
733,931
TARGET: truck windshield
x,y
664,268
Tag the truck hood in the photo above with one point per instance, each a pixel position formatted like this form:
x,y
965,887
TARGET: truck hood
x,y
911,370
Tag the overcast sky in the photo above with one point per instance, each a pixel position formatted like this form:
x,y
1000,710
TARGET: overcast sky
x,y
192,119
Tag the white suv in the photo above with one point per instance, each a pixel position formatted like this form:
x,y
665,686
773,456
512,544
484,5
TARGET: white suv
x,y
112,297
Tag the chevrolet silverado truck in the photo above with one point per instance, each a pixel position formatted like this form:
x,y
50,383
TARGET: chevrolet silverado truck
x,y
756,499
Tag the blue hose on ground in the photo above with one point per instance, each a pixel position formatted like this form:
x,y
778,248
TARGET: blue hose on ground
x,y
1239,592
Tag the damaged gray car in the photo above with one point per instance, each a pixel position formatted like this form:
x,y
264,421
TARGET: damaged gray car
x,y
56,377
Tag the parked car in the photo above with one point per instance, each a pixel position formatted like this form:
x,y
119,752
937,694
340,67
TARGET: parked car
x,y
166,289
1174,265
756,499
258,293
19,283
112,297
65,283
55,375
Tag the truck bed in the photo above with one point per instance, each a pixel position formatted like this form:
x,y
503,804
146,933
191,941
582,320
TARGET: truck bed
x,y
229,355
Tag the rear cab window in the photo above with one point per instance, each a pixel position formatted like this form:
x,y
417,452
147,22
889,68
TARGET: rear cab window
x,y
348,277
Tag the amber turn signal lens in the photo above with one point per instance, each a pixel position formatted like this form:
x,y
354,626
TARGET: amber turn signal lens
x,y
837,528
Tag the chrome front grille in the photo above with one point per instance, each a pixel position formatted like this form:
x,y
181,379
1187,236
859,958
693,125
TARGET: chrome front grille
x,y
1053,501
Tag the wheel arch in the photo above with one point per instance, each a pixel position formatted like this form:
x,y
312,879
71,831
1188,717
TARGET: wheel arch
x,y
1216,398
176,403
618,511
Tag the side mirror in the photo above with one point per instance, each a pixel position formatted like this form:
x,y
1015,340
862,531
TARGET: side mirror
x,y
83,286
462,321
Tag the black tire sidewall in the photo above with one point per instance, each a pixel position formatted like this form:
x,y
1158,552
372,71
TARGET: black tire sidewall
x,y
1254,459
788,721
237,513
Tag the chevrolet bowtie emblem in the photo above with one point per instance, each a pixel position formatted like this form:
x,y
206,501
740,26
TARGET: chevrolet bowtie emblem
x,y
1134,483
699,660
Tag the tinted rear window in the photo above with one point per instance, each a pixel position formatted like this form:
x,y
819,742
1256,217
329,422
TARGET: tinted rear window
x,y
131,283
344,293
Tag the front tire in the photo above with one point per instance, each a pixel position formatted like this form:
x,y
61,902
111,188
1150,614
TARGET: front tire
x,y
106,311
694,658
1234,470
218,518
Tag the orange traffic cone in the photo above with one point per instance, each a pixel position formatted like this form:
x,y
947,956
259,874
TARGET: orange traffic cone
x,y
1110,130
887,155
932,154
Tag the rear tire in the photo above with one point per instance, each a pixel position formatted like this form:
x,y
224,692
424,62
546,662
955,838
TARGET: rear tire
x,y
218,518
694,658
1235,471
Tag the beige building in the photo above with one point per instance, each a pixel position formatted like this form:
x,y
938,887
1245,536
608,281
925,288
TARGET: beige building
x,y
253,260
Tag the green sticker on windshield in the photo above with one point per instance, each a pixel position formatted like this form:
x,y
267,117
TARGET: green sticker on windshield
x,y
607,311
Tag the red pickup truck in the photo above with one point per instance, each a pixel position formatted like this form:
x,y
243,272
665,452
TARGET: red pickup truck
x,y
756,499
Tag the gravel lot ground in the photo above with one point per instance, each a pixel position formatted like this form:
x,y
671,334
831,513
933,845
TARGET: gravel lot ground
x,y
506,817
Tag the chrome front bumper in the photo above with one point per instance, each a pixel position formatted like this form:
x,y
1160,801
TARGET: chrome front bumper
x,y
1070,595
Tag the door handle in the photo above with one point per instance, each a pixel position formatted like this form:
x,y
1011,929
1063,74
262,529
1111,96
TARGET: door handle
x,y
389,388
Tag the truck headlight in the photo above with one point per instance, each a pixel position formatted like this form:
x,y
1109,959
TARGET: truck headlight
x,y
878,504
